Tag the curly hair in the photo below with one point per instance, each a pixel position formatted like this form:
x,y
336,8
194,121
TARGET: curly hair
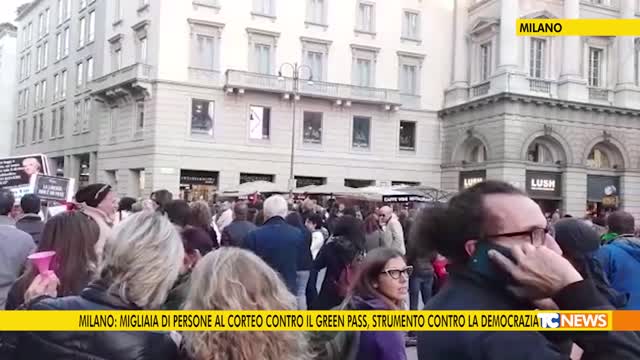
x,y
236,279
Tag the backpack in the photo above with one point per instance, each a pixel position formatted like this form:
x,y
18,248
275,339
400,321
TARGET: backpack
x,y
335,345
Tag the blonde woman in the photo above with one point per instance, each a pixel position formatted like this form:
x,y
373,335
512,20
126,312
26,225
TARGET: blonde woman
x,y
236,279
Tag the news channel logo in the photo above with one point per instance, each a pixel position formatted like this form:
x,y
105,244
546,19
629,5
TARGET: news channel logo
x,y
573,320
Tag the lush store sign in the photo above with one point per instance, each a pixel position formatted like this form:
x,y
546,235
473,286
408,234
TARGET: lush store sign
x,y
547,184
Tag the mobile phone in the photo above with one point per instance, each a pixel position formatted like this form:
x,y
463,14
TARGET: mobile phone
x,y
481,263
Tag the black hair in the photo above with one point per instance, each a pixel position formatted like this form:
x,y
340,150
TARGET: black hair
x,y
126,203
447,228
621,222
178,212
7,200
349,211
30,204
316,219
162,197
351,228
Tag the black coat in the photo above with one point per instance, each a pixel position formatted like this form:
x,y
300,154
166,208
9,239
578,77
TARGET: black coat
x,y
32,224
465,290
93,345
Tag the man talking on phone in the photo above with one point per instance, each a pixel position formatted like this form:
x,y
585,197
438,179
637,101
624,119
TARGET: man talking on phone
x,y
503,257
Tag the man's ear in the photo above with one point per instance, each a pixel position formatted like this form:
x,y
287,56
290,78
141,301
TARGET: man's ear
x,y
470,247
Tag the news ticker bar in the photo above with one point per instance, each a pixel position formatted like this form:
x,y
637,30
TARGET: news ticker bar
x,y
578,27
33,320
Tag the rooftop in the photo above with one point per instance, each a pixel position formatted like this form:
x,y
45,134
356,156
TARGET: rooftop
x,y
7,28
24,9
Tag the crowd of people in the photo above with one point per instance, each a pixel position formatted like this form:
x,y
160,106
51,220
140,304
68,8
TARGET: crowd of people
x,y
166,253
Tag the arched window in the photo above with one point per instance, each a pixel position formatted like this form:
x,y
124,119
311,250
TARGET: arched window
x,y
478,154
540,153
598,158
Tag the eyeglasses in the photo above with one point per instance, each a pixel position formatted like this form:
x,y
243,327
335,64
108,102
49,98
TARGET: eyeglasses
x,y
395,273
537,236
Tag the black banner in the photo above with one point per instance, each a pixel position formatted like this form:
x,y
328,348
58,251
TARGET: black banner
x,y
394,199
544,185
53,188
194,177
245,178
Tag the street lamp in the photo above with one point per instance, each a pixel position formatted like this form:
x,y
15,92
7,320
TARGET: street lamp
x,y
297,72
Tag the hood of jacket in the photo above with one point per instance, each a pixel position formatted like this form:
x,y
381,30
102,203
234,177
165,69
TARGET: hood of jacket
x,y
631,245
368,303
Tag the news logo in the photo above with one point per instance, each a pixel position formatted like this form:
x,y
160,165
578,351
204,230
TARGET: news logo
x,y
574,321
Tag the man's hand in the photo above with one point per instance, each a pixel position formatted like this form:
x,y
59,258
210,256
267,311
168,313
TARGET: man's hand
x,y
539,272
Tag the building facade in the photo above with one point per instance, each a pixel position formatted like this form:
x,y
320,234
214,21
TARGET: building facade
x,y
187,94
58,43
556,116
8,33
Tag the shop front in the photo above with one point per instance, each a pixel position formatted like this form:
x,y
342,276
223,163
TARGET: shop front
x,y
470,178
198,185
545,188
602,193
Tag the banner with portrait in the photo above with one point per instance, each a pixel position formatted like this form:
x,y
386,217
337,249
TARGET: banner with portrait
x,y
17,173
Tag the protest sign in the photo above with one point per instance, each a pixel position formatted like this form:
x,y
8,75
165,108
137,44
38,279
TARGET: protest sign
x,y
17,173
53,188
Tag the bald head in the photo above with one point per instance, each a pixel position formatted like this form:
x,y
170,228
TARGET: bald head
x,y
386,210
240,211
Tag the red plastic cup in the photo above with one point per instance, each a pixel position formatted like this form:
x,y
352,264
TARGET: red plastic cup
x,y
42,260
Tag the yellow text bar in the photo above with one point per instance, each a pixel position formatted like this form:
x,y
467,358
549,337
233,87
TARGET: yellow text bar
x,y
578,27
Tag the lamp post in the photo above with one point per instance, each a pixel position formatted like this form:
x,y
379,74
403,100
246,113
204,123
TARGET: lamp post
x,y
297,72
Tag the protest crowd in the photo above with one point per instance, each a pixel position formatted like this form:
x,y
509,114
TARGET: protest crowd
x,y
489,248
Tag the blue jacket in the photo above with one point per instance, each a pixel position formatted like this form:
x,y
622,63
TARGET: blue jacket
x,y
620,261
279,245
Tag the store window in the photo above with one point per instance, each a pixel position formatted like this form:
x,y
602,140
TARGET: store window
x,y
312,127
202,116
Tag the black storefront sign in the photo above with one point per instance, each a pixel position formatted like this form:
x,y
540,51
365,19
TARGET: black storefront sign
x,y
302,181
600,186
53,188
394,199
470,178
245,178
544,185
195,177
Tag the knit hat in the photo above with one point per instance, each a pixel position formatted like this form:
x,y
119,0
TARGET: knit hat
x,y
575,237
92,195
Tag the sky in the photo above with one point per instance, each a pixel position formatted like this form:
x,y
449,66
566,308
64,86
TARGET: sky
x,y
8,9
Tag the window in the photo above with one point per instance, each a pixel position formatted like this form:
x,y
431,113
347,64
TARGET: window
x,y
363,72
117,16
63,84
89,69
54,124
92,26
485,61
142,50
83,4
316,11
29,33
79,74
77,120
26,99
38,57
59,48
41,127
66,42
361,136
595,67
312,127
409,79
204,52
83,29
36,100
117,58
139,125
537,58
61,122
67,9
41,24
365,17
22,68
407,135
259,122
315,61
47,20
144,3
478,154
263,58
202,116
113,119
60,11
87,115
540,153
45,54
411,25
34,129
43,89
598,159
28,64
18,127
264,7
56,86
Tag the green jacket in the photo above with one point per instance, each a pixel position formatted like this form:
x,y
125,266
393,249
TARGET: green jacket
x,y
178,293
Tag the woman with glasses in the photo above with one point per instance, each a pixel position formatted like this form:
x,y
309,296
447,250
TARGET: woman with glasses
x,y
382,284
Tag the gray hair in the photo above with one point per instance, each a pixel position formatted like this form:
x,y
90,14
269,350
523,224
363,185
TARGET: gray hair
x,y
274,206
142,259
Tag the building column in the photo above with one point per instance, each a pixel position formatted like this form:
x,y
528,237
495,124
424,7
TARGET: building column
x,y
627,93
458,91
630,193
163,178
514,174
574,191
508,60
572,86
93,167
228,179
72,167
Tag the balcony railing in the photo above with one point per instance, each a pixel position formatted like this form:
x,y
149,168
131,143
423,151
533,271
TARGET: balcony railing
x,y
598,94
121,77
319,89
480,89
204,76
539,85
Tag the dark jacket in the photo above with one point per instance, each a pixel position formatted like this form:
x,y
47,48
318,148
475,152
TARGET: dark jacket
x,y
620,261
335,255
465,290
105,345
279,245
378,345
235,233
178,293
32,224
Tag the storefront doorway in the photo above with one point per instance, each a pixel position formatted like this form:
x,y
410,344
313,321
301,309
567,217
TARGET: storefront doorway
x,y
198,185
603,194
